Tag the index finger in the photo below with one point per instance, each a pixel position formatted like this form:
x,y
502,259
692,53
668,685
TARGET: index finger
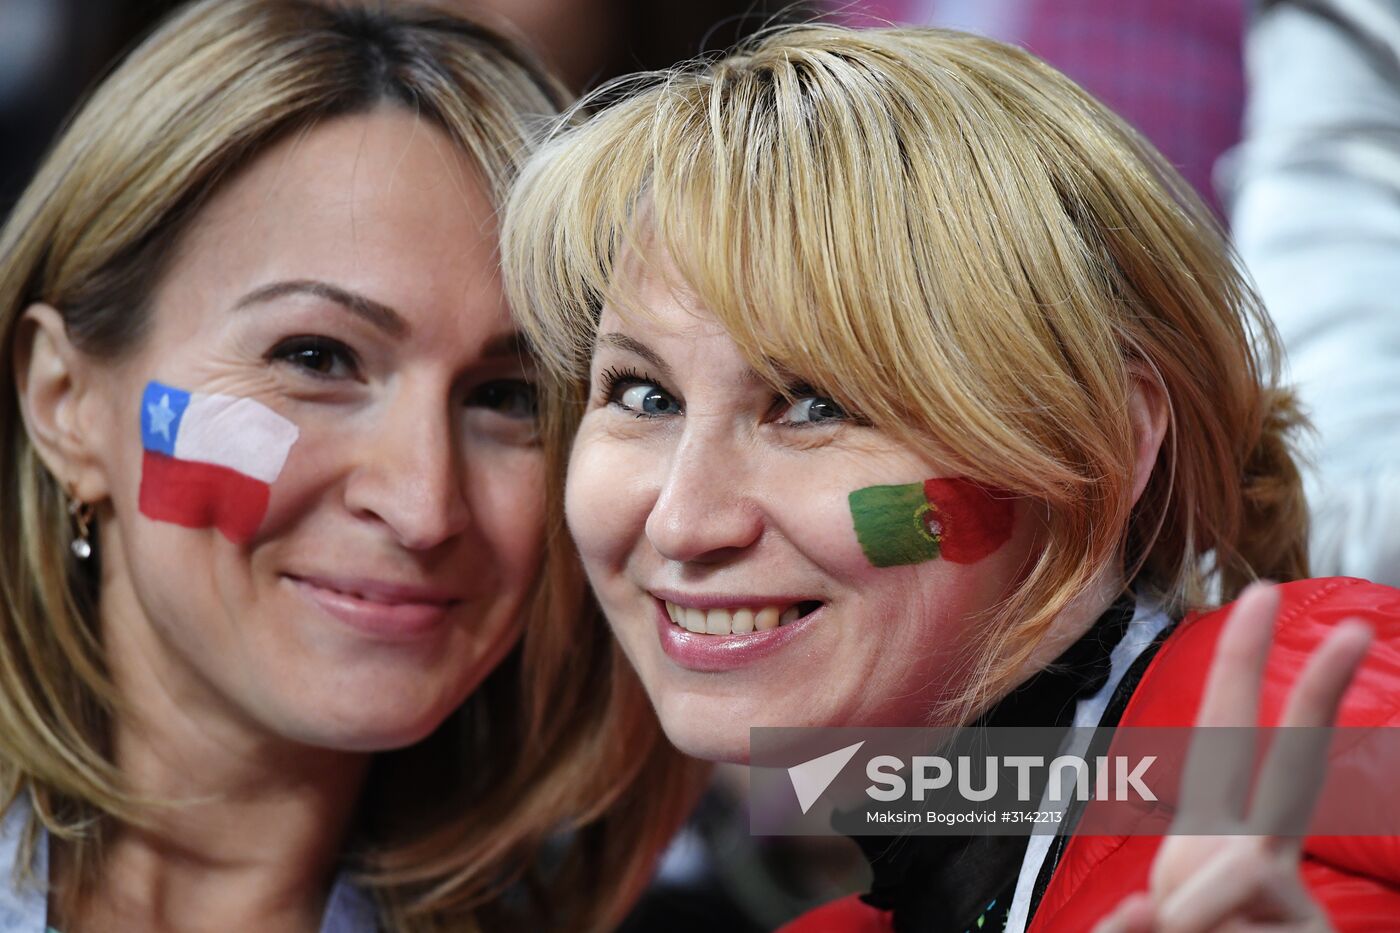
x,y
1216,781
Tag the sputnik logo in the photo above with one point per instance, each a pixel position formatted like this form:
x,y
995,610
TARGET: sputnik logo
x,y
811,778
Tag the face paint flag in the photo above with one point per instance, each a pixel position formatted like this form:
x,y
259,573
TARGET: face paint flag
x,y
955,519
210,460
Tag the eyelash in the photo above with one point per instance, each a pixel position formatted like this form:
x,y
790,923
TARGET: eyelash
x,y
288,349
614,378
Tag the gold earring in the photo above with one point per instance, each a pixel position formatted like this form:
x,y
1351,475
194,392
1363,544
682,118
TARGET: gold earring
x,y
81,513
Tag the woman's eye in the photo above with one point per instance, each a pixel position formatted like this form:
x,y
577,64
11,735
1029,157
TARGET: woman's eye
x,y
514,398
646,398
320,357
814,409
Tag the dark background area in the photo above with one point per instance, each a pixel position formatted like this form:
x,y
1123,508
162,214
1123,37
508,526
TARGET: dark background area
x,y
52,51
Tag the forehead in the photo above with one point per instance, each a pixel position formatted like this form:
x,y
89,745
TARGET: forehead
x,y
658,318
380,203
361,162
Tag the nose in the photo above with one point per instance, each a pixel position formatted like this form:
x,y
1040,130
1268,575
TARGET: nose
x,y
704,511
411,476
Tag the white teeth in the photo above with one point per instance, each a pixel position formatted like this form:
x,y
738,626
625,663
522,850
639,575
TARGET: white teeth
x,y
726,622
717,622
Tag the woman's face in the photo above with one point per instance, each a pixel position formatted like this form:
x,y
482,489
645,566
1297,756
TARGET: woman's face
x,y
694,487
343,287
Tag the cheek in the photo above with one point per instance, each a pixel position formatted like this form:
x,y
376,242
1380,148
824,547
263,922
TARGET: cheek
x,y
210,460
947,519
943,603
606,501
508,505
818,522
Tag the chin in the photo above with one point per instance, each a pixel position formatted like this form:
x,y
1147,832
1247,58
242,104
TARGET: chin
x,y
722,745
705,728
367,727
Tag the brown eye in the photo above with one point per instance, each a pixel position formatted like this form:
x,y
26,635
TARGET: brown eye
x,y
513,398
320,357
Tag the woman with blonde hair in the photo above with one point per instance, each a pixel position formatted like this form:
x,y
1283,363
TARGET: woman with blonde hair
x,y
285,643
912,387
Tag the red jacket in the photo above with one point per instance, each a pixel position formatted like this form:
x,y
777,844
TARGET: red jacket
x,y
1355,878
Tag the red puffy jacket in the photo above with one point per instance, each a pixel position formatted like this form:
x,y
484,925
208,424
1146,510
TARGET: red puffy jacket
x,y
1355,878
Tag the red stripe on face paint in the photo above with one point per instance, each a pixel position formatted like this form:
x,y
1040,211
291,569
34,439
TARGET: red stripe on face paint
x,y
202,495
975,520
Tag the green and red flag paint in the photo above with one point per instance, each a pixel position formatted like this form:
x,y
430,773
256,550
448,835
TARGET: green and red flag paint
x,y
955,519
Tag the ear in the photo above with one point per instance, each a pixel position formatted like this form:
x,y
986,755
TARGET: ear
x,y
1147,407
51,381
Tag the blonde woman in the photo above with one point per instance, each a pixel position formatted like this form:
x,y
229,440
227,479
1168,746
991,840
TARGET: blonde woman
x,y
913,387
285,644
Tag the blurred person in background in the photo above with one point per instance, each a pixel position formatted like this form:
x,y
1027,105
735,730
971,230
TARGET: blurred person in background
x,y
1315,211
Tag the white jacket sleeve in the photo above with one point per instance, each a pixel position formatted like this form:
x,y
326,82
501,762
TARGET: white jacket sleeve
x,y
1314,196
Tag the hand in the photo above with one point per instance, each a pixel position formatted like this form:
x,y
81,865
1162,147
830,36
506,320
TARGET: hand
x,y
1237,883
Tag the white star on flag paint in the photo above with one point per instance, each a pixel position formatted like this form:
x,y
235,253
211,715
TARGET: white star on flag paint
x,y
161,416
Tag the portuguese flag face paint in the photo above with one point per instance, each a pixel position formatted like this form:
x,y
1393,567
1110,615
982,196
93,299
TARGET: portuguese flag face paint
x,y
955,519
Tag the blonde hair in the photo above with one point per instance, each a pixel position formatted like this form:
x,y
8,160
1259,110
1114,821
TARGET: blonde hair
x,y
551,741
952,239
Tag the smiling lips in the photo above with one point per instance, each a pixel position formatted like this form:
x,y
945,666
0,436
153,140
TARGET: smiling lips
x,y
736,621
389,611
714,634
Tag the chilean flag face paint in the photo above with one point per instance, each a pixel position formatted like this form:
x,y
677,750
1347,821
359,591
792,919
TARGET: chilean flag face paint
x,y
210,460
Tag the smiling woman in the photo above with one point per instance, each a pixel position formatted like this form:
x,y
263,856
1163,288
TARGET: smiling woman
x,y
912,387
284,642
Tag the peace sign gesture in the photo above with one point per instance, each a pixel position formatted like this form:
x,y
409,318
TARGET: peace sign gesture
x,y
1250,880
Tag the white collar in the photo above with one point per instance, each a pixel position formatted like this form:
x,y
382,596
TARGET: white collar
x,y
1147,623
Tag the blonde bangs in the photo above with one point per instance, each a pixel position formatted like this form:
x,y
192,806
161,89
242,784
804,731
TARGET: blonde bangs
x,y
743,174
953,240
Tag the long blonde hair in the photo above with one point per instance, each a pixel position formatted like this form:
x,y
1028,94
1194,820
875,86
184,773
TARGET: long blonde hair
x,y
551,741
951,238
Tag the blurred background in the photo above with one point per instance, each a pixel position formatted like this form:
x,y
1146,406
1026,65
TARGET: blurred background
x,y
1173,67
52,50
1283,114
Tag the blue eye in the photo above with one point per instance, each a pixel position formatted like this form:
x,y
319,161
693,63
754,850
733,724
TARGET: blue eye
x,y
648,400
319,357
813,409
513,398
638,394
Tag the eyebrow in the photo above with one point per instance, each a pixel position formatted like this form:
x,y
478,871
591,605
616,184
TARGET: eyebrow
x,y
750,377
379,315
511,345
632,345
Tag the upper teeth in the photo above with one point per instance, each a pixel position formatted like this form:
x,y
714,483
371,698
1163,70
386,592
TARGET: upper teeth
x,y
727,621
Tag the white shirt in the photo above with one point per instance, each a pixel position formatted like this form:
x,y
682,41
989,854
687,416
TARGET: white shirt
x,y
1147,623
